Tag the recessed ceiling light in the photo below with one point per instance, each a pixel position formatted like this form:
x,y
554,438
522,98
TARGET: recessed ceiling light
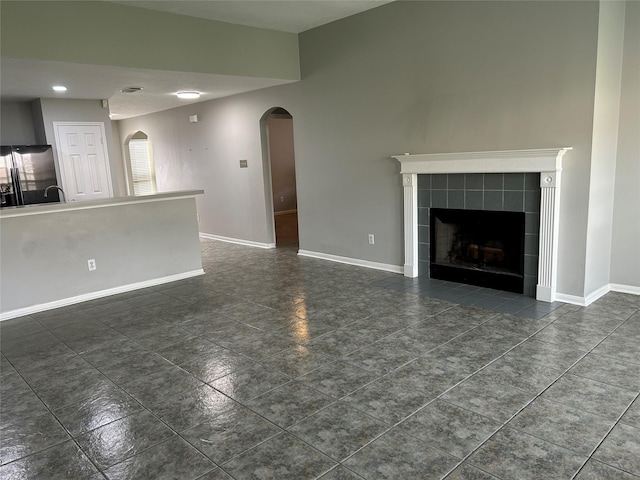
x,y
188,95
59,88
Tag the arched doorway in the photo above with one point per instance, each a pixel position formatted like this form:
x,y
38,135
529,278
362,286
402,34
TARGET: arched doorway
x,y
280,175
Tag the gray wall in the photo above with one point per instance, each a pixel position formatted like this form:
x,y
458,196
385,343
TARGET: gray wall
x,y
206,155
118,168
625,252
428,77
44,257
16,124
419,77
107,33
604,145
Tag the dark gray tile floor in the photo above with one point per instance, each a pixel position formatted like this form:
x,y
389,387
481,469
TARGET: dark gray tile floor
x,y
470,295
274,366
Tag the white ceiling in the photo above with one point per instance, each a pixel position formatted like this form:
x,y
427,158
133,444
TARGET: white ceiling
x,y
30,79
24,80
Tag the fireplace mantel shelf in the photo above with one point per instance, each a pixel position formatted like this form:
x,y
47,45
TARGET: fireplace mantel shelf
x,y
503,161
546,161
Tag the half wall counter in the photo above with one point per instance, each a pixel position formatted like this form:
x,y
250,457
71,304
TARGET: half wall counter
x,y
134,242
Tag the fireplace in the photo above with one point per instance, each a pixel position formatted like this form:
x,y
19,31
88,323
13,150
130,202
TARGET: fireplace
x,y
478,247
545,162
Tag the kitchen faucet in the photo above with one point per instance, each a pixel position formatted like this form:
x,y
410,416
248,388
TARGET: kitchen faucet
x,y
46,190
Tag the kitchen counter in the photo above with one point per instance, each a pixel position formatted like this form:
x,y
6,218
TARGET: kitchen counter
x,y
41,208
134,242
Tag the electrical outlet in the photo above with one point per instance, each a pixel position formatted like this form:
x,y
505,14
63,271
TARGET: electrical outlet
x,y
198,216
91,264
371,239
281,199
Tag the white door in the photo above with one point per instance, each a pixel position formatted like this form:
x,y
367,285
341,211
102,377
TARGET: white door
x,y
84,162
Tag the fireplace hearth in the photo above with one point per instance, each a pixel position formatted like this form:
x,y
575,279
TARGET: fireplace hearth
x,y
478,247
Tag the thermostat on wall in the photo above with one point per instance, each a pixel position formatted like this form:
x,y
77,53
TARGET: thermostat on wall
x,y
243,164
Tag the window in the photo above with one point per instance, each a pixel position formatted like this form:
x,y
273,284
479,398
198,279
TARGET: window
x,y
142,175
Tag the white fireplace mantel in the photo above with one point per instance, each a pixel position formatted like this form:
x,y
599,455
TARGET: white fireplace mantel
x,y
547,161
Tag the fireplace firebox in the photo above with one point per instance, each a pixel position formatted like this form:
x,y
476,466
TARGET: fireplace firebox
x,y
478,247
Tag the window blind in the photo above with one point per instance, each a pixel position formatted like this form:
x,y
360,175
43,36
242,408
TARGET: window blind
x,y
143,183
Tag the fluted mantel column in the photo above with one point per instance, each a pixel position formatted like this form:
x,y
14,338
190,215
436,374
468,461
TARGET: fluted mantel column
x,y
410,184
548,238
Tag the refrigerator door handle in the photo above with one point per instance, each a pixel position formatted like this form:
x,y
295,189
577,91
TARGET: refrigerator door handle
x,y
15,177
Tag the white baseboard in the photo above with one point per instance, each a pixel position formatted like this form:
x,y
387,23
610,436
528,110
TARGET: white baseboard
x,y
592,297
352,261
19,312
572,299
616,287
583,301
238,241
284,212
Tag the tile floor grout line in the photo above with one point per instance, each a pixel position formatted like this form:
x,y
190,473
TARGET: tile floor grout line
x,y
218,465
617,421
50,412
615,424
144,408
533,399
459,298
554,317
342,355
488,365
450,388
282,429
512,416
402,420
338,465
53,414
341,359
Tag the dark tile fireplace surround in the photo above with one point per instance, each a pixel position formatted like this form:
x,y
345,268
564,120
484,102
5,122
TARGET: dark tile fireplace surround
x,y
507,192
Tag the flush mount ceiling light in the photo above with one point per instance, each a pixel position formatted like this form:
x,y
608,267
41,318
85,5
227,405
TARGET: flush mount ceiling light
x,y
59,88
130,89
188,95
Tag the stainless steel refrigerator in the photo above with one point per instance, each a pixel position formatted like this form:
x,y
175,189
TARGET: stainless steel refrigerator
x,y
25,172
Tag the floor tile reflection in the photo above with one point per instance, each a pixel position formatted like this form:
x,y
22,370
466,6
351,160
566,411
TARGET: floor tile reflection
x,y
274,365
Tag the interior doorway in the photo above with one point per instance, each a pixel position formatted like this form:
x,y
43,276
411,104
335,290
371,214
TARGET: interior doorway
x,y
83,160
277,128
